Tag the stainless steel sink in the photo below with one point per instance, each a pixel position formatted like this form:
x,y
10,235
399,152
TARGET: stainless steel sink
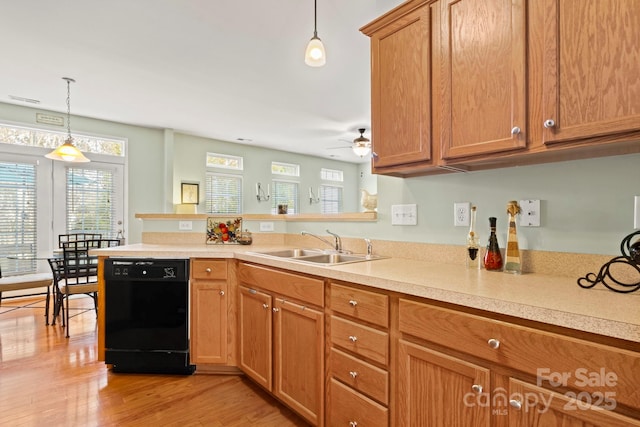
x,y
317,256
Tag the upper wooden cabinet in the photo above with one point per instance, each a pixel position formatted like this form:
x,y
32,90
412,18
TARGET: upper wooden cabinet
x,y
462,85
591,81
401,89
482,96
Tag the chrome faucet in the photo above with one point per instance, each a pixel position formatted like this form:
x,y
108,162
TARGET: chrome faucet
x,y
369,247
337,245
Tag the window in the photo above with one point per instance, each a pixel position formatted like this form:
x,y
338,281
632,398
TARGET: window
x,y
17,135
223,194
18,232
224,161
287,169
331,175
284,193
330,199
89,201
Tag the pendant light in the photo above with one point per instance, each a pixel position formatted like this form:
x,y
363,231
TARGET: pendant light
x,y
361,145
315,56
67,152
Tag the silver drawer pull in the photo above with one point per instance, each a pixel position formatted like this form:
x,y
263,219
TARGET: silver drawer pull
x,y
515,403
208,270
516,130
493,343
265,306
353,338
549,123
353,424
477,388
353,303
221,293
353,374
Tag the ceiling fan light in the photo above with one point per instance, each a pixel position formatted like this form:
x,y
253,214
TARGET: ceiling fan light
x,y
315,55
67,152
361,149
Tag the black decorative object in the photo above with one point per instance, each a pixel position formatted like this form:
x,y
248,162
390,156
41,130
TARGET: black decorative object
x,y
630,256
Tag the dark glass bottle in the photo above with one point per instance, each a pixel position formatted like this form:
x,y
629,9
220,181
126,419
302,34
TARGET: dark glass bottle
x,y
493,258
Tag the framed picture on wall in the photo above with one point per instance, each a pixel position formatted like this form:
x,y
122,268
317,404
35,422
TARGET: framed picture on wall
x,y
190,194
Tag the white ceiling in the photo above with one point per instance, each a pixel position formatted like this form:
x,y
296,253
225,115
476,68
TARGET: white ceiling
x,y
218,69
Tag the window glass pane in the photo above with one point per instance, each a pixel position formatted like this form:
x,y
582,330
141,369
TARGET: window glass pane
x,y
16,135
89,201
284,193
330,199
18,217
288,169
223,194
225,161
331,175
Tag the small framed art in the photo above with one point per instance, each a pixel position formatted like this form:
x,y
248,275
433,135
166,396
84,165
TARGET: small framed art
x,y
190,194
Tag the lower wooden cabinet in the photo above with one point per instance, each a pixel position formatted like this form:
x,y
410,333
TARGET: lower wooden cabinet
x,y
351,409
282,339
435,389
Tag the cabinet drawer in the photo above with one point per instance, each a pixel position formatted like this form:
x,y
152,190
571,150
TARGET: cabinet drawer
x,y
302,288
360,339
209,269
350,408
368,306
360,375
585,365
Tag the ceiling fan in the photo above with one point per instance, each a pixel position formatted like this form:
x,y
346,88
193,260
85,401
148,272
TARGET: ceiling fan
x,y
361,146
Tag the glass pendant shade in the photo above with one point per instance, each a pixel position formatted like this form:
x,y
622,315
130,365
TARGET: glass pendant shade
x,y
315,56
361,149
361,145
67,152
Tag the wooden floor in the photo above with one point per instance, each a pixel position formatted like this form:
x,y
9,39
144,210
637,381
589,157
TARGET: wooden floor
x,y
47,379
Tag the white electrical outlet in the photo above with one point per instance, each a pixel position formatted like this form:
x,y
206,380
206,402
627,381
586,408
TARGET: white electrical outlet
x,y
636,212
461,214
529,213
404,215
185,225
266,226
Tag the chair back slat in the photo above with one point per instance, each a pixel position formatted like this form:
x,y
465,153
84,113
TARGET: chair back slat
x,y
73,237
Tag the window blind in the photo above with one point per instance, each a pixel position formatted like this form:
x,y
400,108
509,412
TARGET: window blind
x,y
18,232
90,207
285,193
330,199
223,194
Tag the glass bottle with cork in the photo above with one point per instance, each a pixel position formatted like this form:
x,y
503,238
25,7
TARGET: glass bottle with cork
x,y
473,245
493,257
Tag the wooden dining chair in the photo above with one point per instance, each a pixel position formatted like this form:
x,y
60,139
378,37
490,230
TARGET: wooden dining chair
x,y
75,273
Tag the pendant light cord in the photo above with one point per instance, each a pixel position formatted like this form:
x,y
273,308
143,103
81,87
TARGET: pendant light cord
x,y
315,18
69,109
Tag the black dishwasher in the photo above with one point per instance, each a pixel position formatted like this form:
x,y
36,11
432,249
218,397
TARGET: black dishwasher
x,y
147,315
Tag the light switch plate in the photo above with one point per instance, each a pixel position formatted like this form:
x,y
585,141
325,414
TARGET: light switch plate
x,y
529,213
266,226
404,215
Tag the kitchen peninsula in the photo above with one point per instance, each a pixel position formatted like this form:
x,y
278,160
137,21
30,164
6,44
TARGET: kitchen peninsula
x,y
489,331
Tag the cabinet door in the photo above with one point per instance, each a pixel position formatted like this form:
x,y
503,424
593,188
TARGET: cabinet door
x,y
532,406
439,390
209,322
482,67
299,358
401,90
255,332
590,78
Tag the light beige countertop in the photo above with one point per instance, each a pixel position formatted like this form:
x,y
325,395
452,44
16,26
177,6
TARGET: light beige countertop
x,y
543,298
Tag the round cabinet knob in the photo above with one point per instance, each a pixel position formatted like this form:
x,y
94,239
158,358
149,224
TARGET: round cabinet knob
x,y
516,130
265,306
477,388
374,154
353,374
353,303
353,338
549,123
221,293
353,424
208,270
275,310
493,343
515,403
